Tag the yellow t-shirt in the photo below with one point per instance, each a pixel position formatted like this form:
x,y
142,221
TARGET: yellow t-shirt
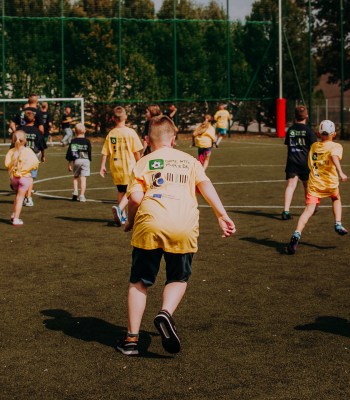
x,y
22,165
206,139
120,145
323,178
168,215
222,118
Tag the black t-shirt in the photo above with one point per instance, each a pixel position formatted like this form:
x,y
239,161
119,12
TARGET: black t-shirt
x,y
79,148
66,125
34,138
20,121
299,139
47,119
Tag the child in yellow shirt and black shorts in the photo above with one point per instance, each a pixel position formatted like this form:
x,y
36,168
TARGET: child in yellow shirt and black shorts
x,y
325,172
163,213
204,137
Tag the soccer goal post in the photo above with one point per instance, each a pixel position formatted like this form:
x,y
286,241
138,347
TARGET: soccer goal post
x,y
10,107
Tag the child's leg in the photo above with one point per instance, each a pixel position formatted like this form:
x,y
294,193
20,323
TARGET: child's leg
x,y
82,185
206,162
290,189
219,139
305,216
75,184
137,296
30,189
172,295
18,203
337,210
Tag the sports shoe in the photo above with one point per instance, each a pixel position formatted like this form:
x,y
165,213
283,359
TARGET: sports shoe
x,y
293,244
12,217
286,215
129,346
16,222
117,215
340,229
166,327
82,198
25,201
75,196
29,202
123,220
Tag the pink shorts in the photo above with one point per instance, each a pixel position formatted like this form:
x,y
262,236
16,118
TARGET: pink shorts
x,y
20,183
316,200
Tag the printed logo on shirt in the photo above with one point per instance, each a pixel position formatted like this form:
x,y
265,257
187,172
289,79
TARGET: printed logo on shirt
x,y
156,164
113,140
157,180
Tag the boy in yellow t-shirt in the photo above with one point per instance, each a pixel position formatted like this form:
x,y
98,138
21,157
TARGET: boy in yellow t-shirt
x,y
222,118
325,171
122,145
163,213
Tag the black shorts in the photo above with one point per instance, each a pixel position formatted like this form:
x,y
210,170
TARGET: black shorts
x,y
146,263
303,177
122,188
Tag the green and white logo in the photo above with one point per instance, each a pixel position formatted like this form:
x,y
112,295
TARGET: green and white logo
x,y
113,140
156,164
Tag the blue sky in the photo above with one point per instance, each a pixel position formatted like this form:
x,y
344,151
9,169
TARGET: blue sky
x,y
238,8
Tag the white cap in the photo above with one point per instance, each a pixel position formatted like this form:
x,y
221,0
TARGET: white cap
x,y
327,126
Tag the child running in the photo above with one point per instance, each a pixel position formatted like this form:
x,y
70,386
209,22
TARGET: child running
x,y
204,137
79,159
222,118
163,213
325,171
123,146
20,161
299,139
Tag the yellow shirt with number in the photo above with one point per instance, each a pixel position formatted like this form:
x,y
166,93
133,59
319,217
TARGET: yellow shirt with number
x,y
222,118
168,215
21,165
206,139
119,145
323,179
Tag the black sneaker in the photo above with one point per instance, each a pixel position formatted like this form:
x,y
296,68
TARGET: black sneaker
x,y
340,229
166,327
286,215
293,244
128,347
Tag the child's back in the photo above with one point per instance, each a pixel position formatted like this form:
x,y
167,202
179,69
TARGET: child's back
x,y
169,207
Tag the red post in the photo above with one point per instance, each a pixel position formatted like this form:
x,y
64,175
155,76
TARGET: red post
x,y
281,117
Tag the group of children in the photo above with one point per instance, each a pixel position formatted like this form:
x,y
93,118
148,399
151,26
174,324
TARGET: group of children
x,y
160,189
317,165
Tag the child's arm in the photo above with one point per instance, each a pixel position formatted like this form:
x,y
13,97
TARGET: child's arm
x,y
137,155
209,193
103,169
135,200
70,166
341,174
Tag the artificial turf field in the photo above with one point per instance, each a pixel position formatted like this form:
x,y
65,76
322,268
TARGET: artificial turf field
x,y
255,323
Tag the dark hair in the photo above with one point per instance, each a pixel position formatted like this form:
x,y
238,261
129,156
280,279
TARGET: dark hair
x,y
300,113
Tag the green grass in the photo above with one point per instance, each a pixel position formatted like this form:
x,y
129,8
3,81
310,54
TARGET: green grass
x,y
254,324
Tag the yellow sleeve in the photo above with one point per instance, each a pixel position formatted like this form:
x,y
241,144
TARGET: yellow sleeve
x,y
8,159
137,184
137,145
337,150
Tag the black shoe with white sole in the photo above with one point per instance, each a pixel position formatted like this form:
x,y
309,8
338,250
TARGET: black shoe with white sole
x,y
128,346
166,327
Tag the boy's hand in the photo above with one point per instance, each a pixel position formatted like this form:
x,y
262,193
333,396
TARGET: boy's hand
x,y
70,168
343,177
103,172
227,225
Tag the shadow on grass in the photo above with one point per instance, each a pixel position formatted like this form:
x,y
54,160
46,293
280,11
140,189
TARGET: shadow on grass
x,y
335,325
263,214
282,247
77,219
6,202
91,329
5,221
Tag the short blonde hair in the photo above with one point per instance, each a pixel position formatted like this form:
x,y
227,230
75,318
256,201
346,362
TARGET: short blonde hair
x,y
161,128
80,128
119,113
19,135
